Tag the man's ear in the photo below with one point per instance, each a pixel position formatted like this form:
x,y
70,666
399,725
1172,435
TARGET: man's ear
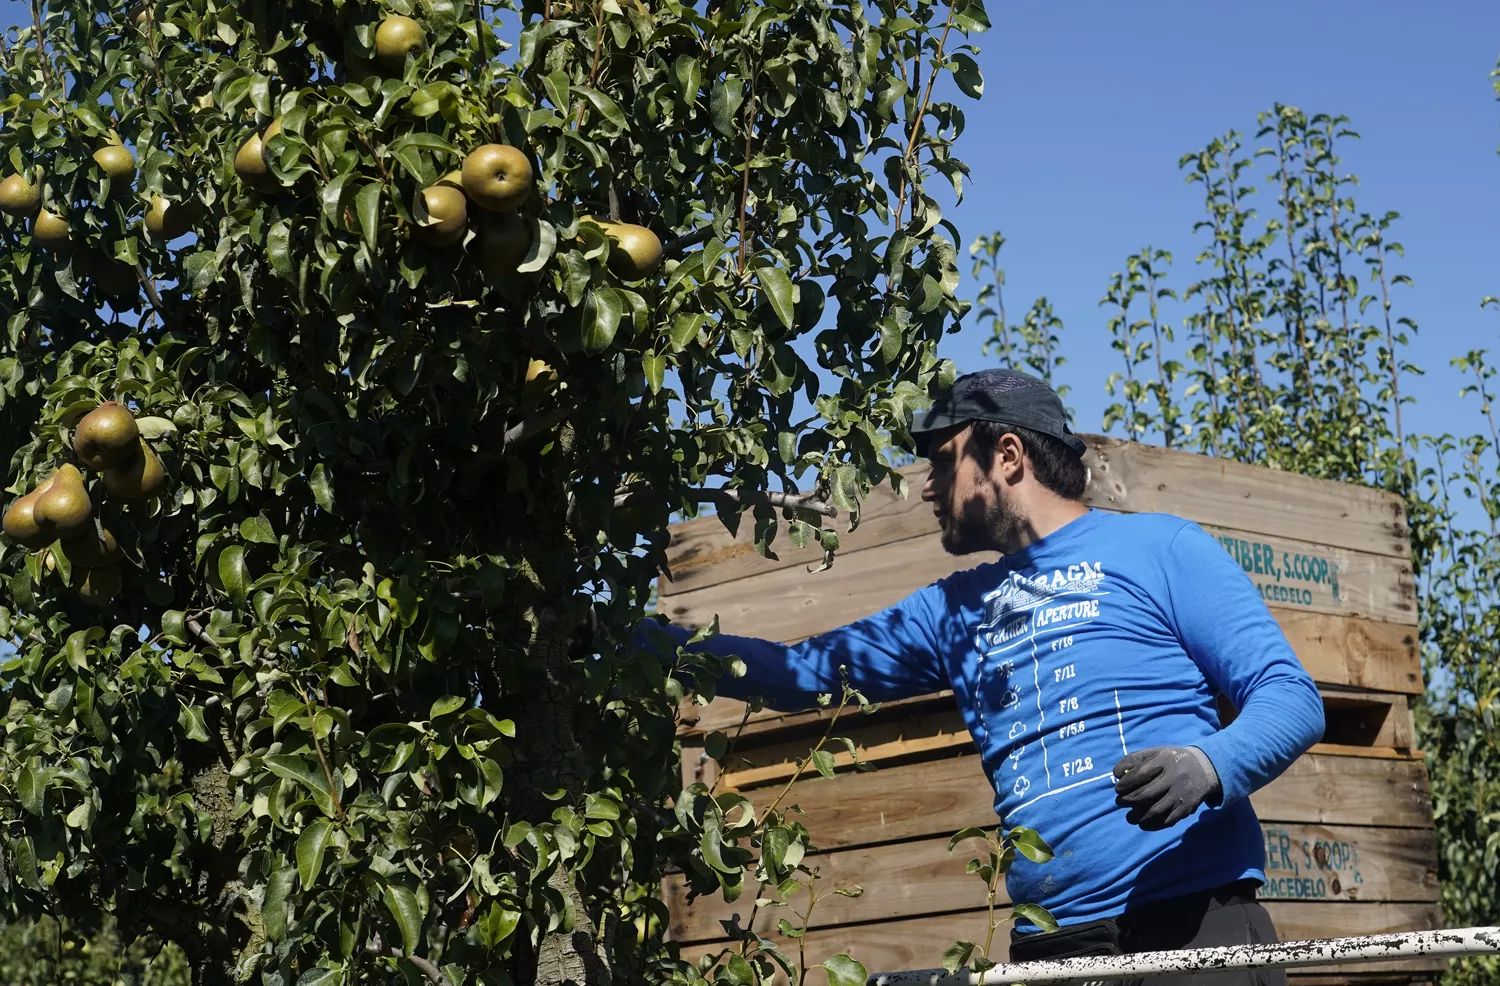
x,y
1012,458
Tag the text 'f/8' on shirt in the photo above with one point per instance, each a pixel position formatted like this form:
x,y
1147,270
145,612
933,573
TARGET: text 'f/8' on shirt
x,y
1112,634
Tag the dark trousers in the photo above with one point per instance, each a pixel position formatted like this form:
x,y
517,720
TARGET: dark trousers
x,y
1227,916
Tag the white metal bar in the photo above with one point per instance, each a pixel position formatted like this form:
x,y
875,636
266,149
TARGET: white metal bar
x,y
1284,955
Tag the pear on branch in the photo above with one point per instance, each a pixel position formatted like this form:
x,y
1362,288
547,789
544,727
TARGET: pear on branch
x,y
635,251
116,161
107,436
19,198
168,220
64,509
395,38
100,585
20,521
250,164
50,230
497,177
503,240
445,203
90,550
140,477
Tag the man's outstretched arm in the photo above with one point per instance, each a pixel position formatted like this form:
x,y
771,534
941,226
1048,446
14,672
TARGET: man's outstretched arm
x,y
888,655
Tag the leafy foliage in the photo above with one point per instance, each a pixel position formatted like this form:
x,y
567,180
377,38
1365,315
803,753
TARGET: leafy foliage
x,y
340,720
46,952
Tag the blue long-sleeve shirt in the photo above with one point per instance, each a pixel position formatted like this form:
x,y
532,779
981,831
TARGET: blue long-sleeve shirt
x,y
1110,635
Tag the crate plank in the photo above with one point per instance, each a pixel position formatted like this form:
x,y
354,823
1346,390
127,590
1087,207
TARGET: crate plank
x,y
942,796
791,604
1135,477
910,879
918,943
1127,477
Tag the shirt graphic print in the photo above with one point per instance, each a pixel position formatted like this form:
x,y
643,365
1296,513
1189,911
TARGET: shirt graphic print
x,y
1055,740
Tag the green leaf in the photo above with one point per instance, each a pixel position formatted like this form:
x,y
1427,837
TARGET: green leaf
x,y
966,73
534,35
1029,844
724,105
152,427
543,246
655,368
190,720
689,77
777,288
201,270
445,705
31,788
963,835
403,905
956,956
295,768
257,529
278,248
824,762
367,207
322,489
77,650
608,108
844,971
684,330
601,318
311,845
1036,915
233,572
497,924
321,977
273,906
333,197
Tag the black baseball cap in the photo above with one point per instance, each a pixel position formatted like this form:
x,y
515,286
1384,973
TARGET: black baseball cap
x,y
1007,397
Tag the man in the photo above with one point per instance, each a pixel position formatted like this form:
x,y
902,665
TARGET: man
x,y
1086,661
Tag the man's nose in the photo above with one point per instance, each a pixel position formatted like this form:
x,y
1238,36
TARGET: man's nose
x,y
929,490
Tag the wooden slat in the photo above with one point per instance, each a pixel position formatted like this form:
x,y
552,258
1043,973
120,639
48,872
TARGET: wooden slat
x,y
918,943
790,604
1347,650
912,879
1127,477
943,796
1145,478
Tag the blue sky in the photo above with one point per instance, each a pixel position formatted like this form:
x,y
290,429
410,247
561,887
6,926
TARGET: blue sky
x,y
1089,104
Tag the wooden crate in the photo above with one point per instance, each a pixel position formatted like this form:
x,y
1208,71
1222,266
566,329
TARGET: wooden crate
x,y
1348,828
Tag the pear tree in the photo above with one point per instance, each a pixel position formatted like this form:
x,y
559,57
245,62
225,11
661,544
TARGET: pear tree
x,y
356,356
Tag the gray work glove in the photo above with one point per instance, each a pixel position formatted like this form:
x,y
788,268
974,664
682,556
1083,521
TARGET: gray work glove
x,y
1165,784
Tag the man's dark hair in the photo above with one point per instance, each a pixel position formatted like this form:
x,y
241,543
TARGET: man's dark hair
x,y
1056,466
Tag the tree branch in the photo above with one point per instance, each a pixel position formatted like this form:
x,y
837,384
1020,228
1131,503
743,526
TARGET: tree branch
x,y
492,451
151,293
686,241
745,185
745,498
433,973
916,126
41,49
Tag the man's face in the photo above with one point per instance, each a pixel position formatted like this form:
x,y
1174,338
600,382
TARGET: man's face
x,y
966,488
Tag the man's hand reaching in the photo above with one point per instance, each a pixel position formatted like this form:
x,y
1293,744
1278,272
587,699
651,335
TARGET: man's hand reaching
x,y
1165,784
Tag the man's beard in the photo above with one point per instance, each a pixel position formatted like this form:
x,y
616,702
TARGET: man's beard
x,y
978,526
